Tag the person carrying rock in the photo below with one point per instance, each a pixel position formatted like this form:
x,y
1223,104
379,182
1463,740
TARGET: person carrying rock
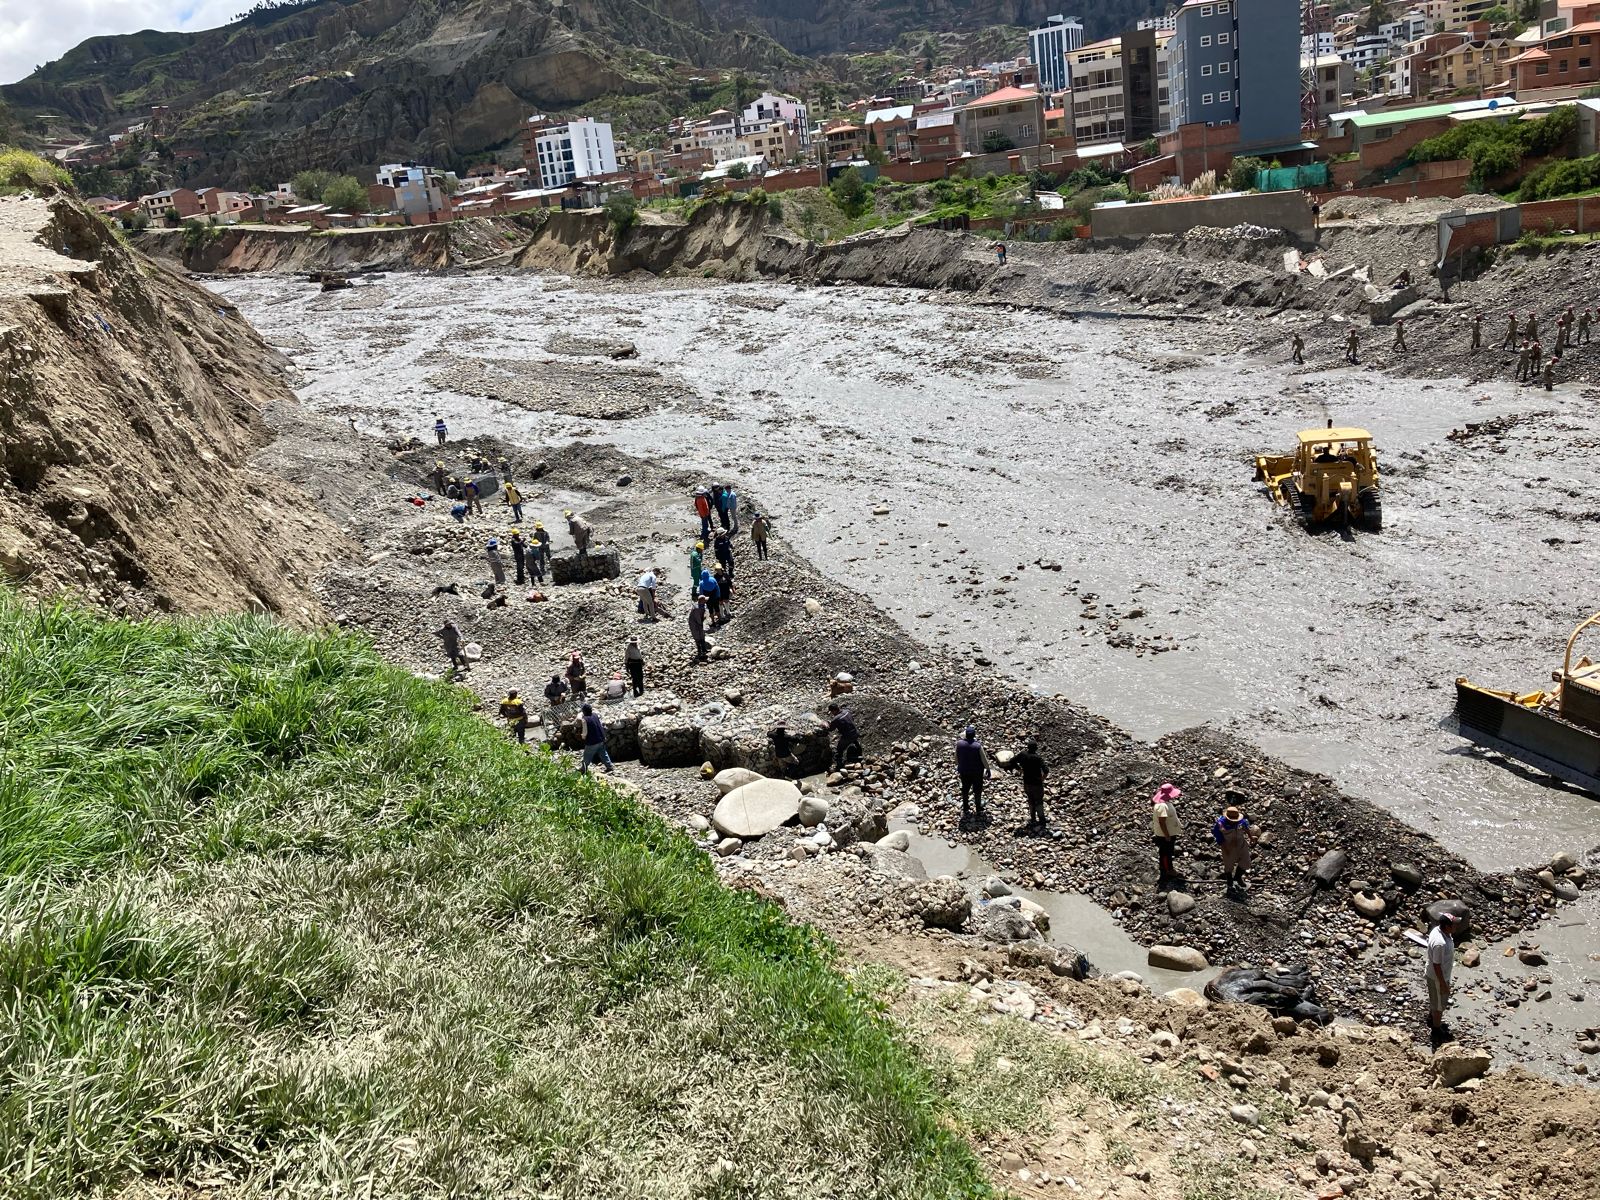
x,y
697,629
1031,766
972,770
702,509
633,660
497,566
1441,961
514,499
539,551
1165,829
1477,332
710,592
469,493
594,742
1400,336
440,430
515,711
439,478
647,594
577,674
758,534
1233,836
1352,342
580,531
451,636
1297,349
849,744
519,554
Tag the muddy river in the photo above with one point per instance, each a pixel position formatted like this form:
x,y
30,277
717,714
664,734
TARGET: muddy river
x,y
1120,450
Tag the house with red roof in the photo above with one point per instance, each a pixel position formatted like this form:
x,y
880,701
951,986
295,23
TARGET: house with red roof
x,y
1570,58
1010,118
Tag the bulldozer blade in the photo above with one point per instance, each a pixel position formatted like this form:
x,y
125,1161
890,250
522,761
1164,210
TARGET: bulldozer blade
x,y
1558,748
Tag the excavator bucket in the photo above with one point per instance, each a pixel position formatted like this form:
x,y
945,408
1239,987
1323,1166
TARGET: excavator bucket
x,y
1529,734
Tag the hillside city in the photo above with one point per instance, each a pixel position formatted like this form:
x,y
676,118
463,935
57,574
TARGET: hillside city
x,y
1199,101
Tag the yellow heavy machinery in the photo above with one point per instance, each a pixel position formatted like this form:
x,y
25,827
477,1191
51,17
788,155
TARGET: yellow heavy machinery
x,y
1557,731
1332,474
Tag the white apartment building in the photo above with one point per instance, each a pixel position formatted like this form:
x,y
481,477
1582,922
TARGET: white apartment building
x,y
1048,48
574,150
1447,16
1316,45
1368,50
1100,90
417,189
1166,24
774,106
1407,29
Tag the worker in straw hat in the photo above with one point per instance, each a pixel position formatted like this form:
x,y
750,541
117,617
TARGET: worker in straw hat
x,y
1233,836
1165,828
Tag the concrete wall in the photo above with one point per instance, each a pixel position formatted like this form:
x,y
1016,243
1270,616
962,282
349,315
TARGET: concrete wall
x,y
1273,210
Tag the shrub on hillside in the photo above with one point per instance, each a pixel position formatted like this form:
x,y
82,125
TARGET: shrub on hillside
x,y
24,172
1561,177
622,211
345,194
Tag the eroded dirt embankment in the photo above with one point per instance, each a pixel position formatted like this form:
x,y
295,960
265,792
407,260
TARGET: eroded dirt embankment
x,y
269,250
130,410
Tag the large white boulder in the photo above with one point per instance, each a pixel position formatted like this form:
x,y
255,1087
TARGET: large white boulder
x,y
756,808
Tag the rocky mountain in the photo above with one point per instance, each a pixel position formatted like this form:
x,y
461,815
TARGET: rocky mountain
x,y
349,83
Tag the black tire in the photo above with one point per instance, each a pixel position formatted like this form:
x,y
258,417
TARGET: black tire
x,y
1371,510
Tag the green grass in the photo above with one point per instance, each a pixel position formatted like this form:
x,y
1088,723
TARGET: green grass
x,y
21,171
280,918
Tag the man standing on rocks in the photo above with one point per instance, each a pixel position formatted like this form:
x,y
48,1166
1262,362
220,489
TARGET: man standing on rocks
x,y
1583,328
579,529
439,429
758,535
1524,357
1233,836
849,746
972,769
451,636
697,629
1548,377
1510,342
438,478
696,561
594,742
519,554
647,594
702,509
1297,348
633,659
733,510
497,566
469,493
1400,336
515,711
514,499
1031,765
722,547
1165,828
1441,961
1352,342
783,750
539,552
1477,332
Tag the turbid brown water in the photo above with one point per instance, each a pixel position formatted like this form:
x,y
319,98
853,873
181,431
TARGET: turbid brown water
x,y
1120,450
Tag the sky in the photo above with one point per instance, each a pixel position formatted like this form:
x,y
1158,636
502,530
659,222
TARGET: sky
x,y
32,32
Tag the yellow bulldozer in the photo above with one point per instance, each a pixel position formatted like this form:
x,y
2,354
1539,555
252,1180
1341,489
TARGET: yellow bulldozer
x,y
1332,475
1556,730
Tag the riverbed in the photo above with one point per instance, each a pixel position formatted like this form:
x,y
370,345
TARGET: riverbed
x,y
1006,443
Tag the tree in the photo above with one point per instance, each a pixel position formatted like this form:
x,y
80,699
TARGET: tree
x,y
741,91
308,186
1498,15
622,210
930,52
1242,173
1377,14
849,191
874,154
995,141
345,194
825,97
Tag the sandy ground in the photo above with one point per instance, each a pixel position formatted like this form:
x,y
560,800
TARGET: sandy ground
x,y
963,421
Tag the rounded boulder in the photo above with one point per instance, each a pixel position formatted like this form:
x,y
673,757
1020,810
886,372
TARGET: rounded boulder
x,y
734,777
757,808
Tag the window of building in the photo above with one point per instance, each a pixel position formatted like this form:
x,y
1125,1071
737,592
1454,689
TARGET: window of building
x,y
1224,97
1541,68
1222,38
1205,40
1224,68
1025,131
1208,98
1561,65
1583,64
1224,9
1206,10
1205,68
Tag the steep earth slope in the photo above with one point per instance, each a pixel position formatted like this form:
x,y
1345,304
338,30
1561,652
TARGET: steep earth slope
x,y
130,406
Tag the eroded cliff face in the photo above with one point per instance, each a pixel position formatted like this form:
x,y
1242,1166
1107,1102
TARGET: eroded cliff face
x,y
131,403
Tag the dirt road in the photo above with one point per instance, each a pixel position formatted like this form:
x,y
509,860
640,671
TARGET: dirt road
x,y
1000,440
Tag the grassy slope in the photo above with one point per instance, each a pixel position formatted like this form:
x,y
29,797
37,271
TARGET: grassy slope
x,y
277,917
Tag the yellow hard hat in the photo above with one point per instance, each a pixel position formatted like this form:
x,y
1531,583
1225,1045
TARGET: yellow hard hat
x,y
566,512
538,524
699,545
516,533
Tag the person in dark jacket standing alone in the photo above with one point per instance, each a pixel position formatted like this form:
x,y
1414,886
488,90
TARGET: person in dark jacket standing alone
x,y
633,659
594,742
451,636
849,747
697,629
1032,767
972,769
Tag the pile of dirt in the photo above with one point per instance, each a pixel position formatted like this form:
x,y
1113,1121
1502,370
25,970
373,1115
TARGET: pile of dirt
x,y
132,406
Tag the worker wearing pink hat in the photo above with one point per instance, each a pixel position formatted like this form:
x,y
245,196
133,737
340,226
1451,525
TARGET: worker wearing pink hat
x,y
1165,827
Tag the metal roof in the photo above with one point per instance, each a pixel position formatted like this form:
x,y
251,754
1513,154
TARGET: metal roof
x,y
1404,116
